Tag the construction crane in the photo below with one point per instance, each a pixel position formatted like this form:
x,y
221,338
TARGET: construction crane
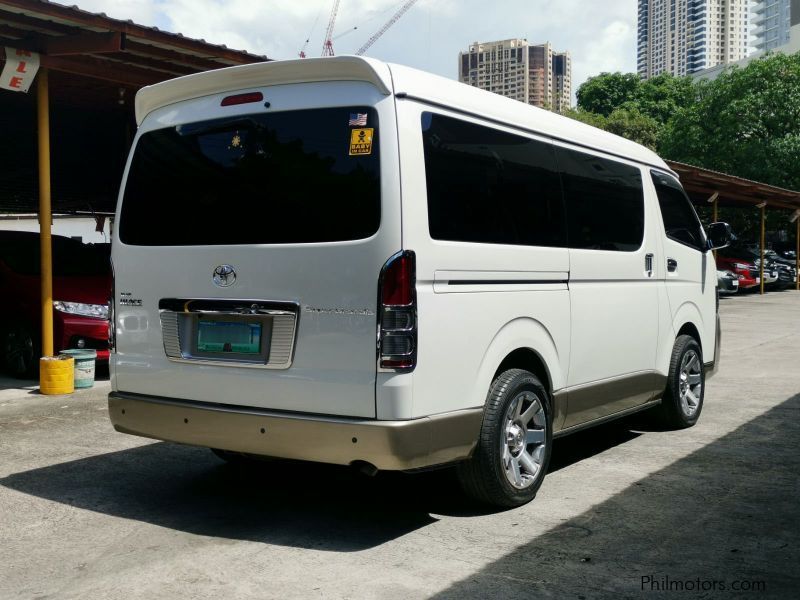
x,y
327,45
382,30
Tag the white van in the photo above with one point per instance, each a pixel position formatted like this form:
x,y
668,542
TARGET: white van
x,y
346,261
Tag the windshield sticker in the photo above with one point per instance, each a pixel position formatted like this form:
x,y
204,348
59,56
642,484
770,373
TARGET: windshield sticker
x,y
361,141
358,120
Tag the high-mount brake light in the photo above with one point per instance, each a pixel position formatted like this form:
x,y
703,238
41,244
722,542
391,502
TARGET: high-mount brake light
x,y
242,99
397,319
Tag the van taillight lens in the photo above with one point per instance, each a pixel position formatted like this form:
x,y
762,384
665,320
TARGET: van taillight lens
x,y
397,322
112,316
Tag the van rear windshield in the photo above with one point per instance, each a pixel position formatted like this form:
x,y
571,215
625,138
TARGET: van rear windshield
x,y
281,178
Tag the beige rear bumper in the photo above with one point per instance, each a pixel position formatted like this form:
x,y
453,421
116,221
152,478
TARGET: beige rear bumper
x,y
388,445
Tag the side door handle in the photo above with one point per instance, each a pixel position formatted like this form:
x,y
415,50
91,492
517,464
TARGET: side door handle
x,y
648,264
672,265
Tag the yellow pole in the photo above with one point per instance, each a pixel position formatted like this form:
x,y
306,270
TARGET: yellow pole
x,y
763,219
45,215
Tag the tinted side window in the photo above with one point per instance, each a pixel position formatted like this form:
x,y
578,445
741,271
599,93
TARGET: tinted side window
x,y
680,219
605,202
489,186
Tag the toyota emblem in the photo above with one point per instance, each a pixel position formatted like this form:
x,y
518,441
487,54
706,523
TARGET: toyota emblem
x,y
224,276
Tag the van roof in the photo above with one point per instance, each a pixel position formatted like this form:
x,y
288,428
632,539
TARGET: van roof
x,y
404,82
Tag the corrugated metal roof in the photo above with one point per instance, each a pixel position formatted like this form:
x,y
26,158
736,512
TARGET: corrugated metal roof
x,y
80,42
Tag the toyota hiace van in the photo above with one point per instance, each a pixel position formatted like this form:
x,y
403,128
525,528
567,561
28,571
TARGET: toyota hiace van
x,y
352,262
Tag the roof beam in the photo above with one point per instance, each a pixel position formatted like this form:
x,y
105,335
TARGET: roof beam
x,y
197,62
106,70
83,43
126,58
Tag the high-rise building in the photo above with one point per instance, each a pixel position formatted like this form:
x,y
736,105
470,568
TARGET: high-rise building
x,y
685,36
532,74
562,81
772,21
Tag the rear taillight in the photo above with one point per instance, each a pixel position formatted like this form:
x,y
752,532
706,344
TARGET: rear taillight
x,y
112,317
397,318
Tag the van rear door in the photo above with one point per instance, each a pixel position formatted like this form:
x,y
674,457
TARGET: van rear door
x,y
249,243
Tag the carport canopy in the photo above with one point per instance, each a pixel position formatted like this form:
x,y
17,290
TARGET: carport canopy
x,y
704,185
92,64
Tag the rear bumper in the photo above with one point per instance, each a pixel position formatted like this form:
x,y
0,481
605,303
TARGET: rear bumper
x,y
388,445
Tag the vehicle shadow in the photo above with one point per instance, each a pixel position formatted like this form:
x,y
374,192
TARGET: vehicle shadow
x,y
288,503
719,523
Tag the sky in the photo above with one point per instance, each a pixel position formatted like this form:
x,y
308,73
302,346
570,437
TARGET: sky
x,y
599,34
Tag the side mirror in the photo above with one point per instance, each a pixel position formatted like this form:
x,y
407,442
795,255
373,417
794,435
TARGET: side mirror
x,y
719,235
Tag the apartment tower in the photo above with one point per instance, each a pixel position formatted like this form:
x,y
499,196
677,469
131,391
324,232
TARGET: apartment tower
x,y
685,36
771,21
513,68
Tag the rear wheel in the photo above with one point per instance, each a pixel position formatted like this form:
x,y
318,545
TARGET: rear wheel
x,y
513,451
682,402
20,351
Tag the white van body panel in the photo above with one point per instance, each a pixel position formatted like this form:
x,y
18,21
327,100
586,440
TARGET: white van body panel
x,y
466,330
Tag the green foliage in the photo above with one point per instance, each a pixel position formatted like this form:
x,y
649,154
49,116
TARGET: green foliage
x,y
745,122
631,123
658,98
602,94
626,122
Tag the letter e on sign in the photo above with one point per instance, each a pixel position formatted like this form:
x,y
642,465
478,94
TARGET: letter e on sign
x,y
19,71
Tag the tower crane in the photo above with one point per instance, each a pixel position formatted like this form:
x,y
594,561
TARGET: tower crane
x,y
386,26
327,45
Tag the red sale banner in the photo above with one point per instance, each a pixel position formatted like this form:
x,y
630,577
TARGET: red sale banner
x,y
20,70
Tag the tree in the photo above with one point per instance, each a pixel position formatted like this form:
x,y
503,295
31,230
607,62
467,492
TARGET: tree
x,y
606,92
626,122
658,98
746,122
634,125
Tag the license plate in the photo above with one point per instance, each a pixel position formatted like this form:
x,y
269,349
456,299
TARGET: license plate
x,y
735,283
758,279
227,336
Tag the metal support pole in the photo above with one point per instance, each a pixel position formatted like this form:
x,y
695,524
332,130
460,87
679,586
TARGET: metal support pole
x,y
763,230
45,215
797,253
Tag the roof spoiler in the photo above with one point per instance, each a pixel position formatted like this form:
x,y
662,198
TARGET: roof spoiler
x,y
279,72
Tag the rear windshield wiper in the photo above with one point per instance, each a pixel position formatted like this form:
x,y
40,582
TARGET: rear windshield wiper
x,y
218,125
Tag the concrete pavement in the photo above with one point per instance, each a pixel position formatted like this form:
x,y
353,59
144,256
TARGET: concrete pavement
x,y
89,513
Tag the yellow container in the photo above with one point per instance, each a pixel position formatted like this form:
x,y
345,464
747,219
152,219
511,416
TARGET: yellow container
x,y
56,375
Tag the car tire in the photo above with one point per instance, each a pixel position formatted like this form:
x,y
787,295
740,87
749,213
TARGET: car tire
x,y
513,450
20,351
682,401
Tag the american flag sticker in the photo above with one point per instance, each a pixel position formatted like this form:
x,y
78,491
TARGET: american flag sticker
x,y
358,120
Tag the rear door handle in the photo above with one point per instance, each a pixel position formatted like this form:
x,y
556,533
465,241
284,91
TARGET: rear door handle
x,y
672,265
648,264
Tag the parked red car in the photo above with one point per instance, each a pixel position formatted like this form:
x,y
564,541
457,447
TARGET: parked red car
x,y
81,289
747,272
